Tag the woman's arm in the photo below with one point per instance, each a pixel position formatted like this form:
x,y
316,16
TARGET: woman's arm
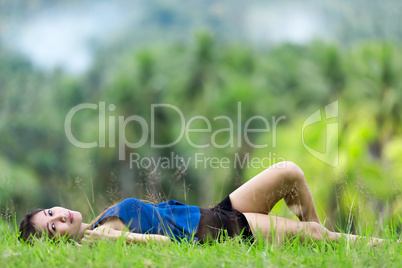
x,y
108,233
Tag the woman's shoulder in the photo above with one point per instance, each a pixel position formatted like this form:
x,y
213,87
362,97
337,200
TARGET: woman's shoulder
x,y
129,201
133,201
173,203
125,206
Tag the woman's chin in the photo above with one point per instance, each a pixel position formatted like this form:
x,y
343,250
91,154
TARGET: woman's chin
x,y
77,217
76,223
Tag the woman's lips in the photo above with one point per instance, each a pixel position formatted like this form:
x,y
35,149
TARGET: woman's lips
x,y
70,216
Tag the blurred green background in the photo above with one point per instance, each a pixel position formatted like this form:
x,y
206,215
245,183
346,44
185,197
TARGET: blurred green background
x,y
277,58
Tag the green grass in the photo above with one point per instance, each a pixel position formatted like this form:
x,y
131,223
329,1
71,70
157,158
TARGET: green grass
x,y
232,253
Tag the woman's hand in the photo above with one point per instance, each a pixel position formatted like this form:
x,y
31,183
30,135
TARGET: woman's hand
x,y
100,233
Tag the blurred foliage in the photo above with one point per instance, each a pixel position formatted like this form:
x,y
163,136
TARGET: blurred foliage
x,y
39,166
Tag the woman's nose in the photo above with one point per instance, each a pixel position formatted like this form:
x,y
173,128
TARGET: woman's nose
x,y
62,217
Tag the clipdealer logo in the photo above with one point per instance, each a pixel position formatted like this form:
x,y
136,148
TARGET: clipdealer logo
x,y
236,127
237,130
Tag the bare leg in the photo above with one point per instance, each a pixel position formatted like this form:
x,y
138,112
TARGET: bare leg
x,y
282,180
277,229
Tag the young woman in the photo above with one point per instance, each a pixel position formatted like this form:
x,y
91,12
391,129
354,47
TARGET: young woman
x,y
244,212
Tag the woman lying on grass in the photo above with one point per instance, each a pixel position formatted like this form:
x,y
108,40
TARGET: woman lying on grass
x,y
244,212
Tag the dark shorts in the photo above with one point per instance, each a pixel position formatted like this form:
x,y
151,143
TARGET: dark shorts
x,y
222,221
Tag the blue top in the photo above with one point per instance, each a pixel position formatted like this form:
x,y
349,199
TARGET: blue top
x,y
171,218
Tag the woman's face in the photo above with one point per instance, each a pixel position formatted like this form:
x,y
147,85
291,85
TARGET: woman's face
x,y
58,221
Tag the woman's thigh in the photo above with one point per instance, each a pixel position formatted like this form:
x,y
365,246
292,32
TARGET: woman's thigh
x,y
273,228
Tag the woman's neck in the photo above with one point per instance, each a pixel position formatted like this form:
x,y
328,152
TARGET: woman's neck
x,y
84,226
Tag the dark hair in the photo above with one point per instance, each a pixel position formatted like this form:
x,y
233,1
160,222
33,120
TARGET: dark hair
x,y
27,230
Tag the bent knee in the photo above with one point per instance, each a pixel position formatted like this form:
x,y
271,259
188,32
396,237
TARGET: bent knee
x,y
290,170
